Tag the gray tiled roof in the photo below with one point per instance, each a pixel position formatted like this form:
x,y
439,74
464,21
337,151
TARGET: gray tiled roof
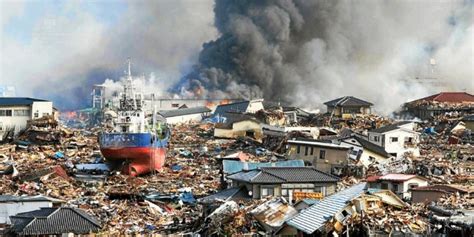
x,y
389,127
186,111
315,217
284,175
51,221
348,101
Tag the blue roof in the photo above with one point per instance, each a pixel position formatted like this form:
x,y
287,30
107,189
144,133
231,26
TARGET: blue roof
x,y
237,107
10,101
310,201
234,166
317,215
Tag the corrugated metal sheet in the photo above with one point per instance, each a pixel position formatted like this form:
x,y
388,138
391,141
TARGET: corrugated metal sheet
x,y
315,217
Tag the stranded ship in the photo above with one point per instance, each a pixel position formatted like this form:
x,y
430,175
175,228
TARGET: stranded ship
x,y
137,143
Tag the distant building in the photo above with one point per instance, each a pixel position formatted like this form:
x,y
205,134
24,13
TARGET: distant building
x,y
327,157
400,184
285,181
250,106
397,138
427,107
184,115
11,205
54,221
16,111
348,106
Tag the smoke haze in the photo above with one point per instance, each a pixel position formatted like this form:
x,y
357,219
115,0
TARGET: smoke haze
x,y
308,52
72,49
298,51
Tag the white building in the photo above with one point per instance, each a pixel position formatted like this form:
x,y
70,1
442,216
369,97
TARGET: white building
x,y
400,184
397,138
16,111
185,115
11,205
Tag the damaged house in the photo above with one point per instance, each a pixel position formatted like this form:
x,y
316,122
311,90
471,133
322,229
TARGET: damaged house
x,y
348,107
15,112
324,156
364,152
441,103
313,221
400,184
239,125
397,138
288,182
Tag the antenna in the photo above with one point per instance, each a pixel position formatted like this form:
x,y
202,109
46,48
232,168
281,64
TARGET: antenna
x,y
129,70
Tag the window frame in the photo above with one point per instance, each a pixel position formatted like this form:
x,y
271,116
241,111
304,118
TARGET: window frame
x,y
322,154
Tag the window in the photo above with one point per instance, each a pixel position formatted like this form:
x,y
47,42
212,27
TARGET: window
x,y
267,192
394,139
21,112
6,112
45,114
305,150
384,186
395,188
322,154
36,114
312,150
298,149
284,192
412,185
175,105
376,138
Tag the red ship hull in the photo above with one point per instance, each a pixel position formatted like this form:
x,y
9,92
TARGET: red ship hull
x,y
137,160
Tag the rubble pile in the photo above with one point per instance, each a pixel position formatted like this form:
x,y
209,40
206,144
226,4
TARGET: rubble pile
x,y
65,163
149,204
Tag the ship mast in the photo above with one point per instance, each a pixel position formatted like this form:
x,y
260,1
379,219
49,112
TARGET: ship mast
x,y
128,99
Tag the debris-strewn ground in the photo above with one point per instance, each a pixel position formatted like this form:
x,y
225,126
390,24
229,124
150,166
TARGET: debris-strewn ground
x,y
43,161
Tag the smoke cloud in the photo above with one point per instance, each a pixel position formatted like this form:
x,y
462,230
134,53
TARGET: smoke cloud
x,y
71,48
307,52
303,52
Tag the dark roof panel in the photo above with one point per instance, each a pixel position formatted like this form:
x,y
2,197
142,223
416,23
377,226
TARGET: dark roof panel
x,y
348,101
371,146
10,101
239,107
54,221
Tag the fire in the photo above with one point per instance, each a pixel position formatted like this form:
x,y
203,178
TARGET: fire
x,y
69,114
224,102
